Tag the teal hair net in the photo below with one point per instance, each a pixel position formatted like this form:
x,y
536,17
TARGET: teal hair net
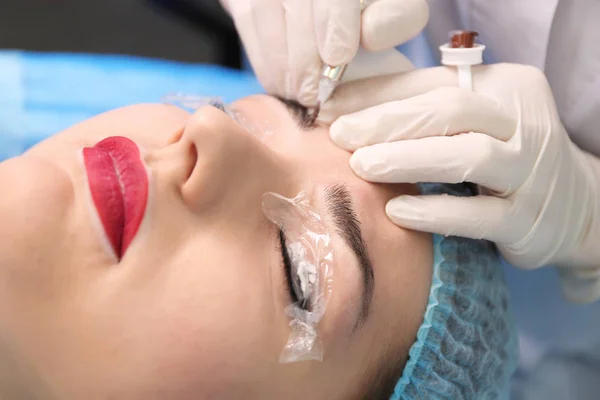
x,y
466,347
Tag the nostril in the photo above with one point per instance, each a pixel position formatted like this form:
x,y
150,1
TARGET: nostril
x,y
191,160
176,137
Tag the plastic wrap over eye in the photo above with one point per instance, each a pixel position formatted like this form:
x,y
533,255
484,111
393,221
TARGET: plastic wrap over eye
x,y
193,103
311,257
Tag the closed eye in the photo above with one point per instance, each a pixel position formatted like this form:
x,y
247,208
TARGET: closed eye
x,y
290,274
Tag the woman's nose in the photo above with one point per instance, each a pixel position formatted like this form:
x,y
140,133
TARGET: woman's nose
x,y
229,167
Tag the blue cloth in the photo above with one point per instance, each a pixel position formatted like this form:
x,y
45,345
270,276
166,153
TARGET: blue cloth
x,y
43,93
466,347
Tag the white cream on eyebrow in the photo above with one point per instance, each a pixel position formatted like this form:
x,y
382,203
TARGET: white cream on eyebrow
x,y
306,271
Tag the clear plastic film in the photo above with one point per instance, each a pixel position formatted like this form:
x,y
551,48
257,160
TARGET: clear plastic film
x,y
310,252
193,103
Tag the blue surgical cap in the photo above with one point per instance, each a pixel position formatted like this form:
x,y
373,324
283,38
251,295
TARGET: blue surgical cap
x,y
466,347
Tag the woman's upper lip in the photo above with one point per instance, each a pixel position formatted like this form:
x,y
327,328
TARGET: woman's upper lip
x,y
118,183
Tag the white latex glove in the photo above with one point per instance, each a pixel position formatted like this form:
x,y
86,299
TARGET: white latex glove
x,y
541,198
287,41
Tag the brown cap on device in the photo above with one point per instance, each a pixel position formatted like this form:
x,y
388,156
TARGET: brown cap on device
x,y
462,39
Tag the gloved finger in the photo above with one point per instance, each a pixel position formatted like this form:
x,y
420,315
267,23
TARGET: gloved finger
x,y
470,157
337,26
441,112
367,64
304,61
225,4
389,23
353,96
257,21
479,217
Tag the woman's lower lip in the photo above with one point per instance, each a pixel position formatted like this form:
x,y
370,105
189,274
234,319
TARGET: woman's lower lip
x,y
118,183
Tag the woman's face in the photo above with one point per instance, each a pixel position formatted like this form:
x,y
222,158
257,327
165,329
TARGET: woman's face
x,y
194,308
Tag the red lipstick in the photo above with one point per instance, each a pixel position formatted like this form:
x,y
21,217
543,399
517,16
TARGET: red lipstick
x,y
118,183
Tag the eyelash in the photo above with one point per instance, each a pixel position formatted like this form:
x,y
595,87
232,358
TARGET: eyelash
x,y
308,118
288,267
218,104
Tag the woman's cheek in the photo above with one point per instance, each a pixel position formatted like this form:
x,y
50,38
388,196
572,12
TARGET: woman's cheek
x,y
213,328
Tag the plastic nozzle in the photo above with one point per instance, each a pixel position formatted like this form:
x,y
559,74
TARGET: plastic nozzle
x,y
326,88
330,77
462,52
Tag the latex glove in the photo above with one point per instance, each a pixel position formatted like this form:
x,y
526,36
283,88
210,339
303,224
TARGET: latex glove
x,y
287,41
541,198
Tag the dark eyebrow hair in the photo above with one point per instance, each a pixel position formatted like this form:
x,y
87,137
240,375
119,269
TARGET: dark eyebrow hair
x,y
339,204
305,118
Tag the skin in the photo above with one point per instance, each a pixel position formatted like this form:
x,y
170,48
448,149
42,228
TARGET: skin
x,y
195,308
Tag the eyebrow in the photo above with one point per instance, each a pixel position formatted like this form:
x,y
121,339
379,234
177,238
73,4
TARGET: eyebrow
x,y
305,119
340,206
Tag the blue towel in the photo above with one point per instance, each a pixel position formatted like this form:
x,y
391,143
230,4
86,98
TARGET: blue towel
x,y
44,93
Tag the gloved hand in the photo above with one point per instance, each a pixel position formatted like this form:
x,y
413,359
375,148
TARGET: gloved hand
x,y
540,199
287,41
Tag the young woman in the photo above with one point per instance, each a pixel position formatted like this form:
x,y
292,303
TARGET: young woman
x,y
138,261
